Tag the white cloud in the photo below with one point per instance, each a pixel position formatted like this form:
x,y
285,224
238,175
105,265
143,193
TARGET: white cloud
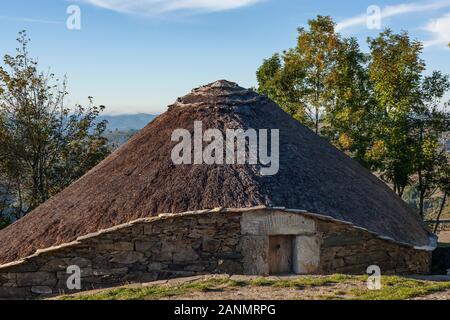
x,y
440,28
151,7
391,11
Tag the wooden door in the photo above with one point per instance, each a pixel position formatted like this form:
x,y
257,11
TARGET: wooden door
x,y
280,254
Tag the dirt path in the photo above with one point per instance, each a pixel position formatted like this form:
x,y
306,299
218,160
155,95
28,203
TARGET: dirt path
x,y
444,295
339,290
444,237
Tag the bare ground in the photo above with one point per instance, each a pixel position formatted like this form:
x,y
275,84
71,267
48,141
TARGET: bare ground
x,y
444,237
279,288
445,295
271,292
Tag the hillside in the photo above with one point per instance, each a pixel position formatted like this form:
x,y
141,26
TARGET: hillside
x,y
127,122
122,127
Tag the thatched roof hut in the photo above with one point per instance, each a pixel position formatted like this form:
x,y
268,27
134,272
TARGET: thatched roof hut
x,y
140,180
138,216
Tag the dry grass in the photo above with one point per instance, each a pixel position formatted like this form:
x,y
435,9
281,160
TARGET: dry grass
x,y
333,287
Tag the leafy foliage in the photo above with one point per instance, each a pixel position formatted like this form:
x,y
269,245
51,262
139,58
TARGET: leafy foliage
x,y
44,145
300,79
395,73
379,107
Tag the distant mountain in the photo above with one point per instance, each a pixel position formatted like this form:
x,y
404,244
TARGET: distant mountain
x,y
122,127
127,122
117,138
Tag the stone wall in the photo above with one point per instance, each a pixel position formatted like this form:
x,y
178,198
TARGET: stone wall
x,y
323,246
228,241
143,251
345,249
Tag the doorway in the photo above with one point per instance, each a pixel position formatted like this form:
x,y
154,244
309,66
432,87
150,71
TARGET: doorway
x,y
280,254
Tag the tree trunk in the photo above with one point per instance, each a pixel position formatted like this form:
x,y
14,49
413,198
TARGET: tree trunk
x,y
421,193
401,190
441,209
421,203
317,120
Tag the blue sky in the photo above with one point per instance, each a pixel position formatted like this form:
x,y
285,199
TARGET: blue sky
x,y
140,55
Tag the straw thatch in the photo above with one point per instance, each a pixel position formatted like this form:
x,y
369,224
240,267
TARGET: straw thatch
x,y
140,180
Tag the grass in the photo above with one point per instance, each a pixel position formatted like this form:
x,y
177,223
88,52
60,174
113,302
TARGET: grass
x,y
302,282
393,288
398,288
153,292
148,293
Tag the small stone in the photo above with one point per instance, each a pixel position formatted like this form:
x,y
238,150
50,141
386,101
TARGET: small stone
x,y
163,255
211,245
14,293
230,267
195,268
206,221
80,262
231,241
199,233
156,266
54,265
127,257
116,246
44,290
185,254
338,263
117,271
144,246
148,229
125,246
36,279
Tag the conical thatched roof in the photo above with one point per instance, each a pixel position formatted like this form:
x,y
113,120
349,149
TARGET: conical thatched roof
x,y
140,179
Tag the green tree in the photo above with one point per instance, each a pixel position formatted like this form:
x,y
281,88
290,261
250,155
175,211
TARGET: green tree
x,y
282,82
323,83
300,79
379,107
348,121
44,145
429,122
395,71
